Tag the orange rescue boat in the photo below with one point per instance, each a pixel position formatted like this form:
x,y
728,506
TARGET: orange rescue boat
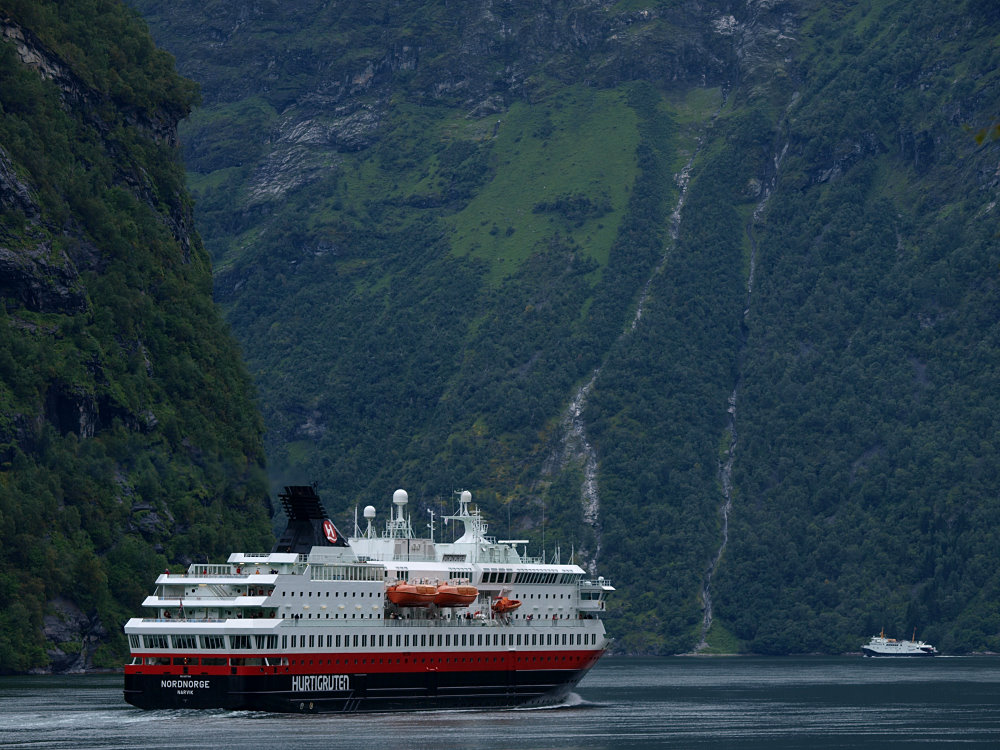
x,y
455,595
502,604
405,594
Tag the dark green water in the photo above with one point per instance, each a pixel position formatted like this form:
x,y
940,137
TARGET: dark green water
x,y
679,702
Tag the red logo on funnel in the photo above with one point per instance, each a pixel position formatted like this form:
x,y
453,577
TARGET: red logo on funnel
x,y
330,530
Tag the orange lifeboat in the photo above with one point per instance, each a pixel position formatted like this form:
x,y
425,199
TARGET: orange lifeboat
x,y
502,605
405,594
452,595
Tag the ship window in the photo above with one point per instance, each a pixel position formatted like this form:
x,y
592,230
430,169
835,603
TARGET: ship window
x,y
312,640
134,642
447,641
439,638
423,640
284,641
480,640
518,639
184,641
338,641
156,641
213,642
534,641
364,641
295,640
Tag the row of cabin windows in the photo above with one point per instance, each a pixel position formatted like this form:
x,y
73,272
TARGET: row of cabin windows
x,y
335,616
319,594
282,661
269,642
530,577
345,573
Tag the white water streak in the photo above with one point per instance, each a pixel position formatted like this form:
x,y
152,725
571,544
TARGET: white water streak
x,y
729,457
574,445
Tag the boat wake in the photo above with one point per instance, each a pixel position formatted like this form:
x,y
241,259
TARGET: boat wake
x,y
573,700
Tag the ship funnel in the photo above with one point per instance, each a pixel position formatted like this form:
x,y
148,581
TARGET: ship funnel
x,y
308,523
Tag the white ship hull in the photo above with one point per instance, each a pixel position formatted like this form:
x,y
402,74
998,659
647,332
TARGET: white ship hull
x,y
879,645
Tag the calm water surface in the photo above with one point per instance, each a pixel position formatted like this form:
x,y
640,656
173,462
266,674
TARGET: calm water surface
x,y
678,702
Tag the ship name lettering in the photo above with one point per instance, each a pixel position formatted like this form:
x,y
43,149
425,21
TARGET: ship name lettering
x,y
309,683
184,684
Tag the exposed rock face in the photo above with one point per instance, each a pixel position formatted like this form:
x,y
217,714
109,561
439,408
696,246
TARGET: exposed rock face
x,y
75,634
160,124
492,55
14,194
41,279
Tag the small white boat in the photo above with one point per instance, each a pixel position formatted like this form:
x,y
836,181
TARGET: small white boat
x,y
879,645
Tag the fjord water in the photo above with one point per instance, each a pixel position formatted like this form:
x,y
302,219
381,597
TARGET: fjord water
x,y
678,702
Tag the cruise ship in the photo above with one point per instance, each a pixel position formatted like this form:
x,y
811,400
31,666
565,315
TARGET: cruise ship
x,y
380,621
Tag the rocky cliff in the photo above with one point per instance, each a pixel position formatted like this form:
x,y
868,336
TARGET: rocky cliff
x,y
115,369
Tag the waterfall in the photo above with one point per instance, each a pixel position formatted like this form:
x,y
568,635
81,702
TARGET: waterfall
x,y
573,443
725,472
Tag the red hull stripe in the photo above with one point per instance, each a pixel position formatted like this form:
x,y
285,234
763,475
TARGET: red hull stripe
x,y
369,662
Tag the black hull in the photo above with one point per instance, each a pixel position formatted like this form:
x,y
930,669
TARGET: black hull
x,y
374,692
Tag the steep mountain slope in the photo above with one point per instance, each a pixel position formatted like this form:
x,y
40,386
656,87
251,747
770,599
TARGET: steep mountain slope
x,y
128,435
704,289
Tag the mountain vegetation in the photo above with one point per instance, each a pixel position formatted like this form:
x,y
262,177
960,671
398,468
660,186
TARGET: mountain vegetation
x,y
704,294
129,436
754,243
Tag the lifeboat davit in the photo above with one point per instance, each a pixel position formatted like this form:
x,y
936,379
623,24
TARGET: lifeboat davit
x,y
452,595
502,604
405,594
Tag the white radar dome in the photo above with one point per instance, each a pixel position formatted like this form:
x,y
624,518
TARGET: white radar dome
x,y
399,497
369,511
466,496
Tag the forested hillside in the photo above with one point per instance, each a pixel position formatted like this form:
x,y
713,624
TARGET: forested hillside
x,y
129,439
704,293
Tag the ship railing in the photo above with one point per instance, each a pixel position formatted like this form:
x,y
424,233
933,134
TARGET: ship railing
x,y
480,622
595,584
242,576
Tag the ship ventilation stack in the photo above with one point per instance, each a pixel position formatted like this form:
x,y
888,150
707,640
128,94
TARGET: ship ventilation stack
x,y
308,524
